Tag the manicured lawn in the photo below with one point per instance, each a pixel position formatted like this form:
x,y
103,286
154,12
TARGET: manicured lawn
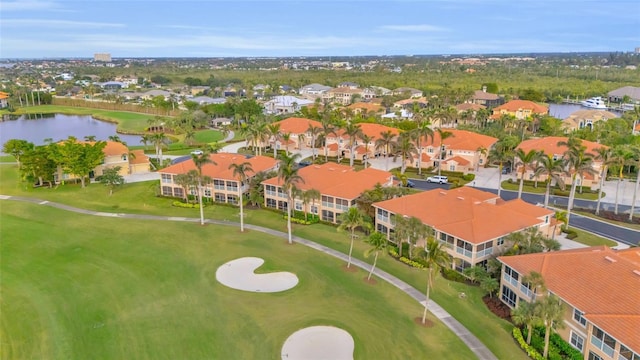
x,y
541,189
84,287
208,136
140,198
7,158
590,239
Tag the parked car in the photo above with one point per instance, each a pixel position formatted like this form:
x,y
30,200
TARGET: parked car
x,y
506,170
410,184
304,163
438,179
196,152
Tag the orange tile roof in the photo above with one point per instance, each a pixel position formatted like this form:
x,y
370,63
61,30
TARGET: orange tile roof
x,y
462,140
114,148
138,157
458,159
421,100
470,106
294,125
515,105
601,282
369,129
367,106
466,213
4,95
221,170
338,180
550,145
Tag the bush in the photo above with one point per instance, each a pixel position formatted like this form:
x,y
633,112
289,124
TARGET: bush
x,y
299,218
571,234
558,348
453,275
185,205
469,177
394,253
531,352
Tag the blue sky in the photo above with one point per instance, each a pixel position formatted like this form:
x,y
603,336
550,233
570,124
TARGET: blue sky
x,y
211,28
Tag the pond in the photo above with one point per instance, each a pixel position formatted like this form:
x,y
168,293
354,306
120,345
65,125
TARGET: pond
x,y
38,127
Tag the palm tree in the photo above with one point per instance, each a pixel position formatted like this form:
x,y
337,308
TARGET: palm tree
x,y
240,171
620,158
605,155
422,131
286,138
561,217
443,136
377,242
327,129
417,230
551,167
146,139
200,161
500,153
159,140
186,181
366,139
435,257
289,178
314,131
636,162
578,163
90,138
273,130
353,131
309,197
525,161
351,220
386,143
406,149
526,314
551,312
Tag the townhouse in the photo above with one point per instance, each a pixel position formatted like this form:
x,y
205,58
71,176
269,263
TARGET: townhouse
x,y
585,119
407,91
339,186
464,151
343,95
366,108
297,128
549,146
599,288
224,186
472,224
520,109
285,104
339,141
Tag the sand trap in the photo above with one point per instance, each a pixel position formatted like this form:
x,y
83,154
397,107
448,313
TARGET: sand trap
x,y
239,274
319,343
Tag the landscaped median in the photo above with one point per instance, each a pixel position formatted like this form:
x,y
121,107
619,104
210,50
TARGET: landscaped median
x,y
529,187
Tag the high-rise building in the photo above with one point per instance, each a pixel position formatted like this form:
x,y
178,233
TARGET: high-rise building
x,y
105,57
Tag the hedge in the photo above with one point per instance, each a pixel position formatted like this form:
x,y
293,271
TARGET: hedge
x,y
531,352
394,253
186,205
558,348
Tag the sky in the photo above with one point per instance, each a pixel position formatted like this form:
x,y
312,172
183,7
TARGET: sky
x,y
268,28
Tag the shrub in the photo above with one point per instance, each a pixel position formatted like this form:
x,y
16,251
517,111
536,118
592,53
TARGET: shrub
x,y
531,352
469,177
185,205
453,275
571,234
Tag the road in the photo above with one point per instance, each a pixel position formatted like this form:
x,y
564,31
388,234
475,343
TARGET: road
x,y
604,229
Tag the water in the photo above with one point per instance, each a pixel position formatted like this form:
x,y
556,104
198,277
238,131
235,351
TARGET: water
x,y
562,111
37,128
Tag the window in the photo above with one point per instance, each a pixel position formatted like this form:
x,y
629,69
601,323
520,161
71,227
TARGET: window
x,y
207,192
577,316
381,228
447,240
526,289
485,249
511,276
327,201
178,192
314,209
464,248
627,354
166,178
593,356
577,341
461,265
602,341
452,167
327,216
500,241
382,215
232,186
218,184
272,203
342,204
232,199
166,191
282,205
219,197
298,206
508,296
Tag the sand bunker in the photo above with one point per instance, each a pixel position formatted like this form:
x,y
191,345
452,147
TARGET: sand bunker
x,y
319,343
239,274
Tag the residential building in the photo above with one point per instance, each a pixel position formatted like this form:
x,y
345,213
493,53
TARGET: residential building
x,y
348,84
467,113
297,129
112,85
103,57
411,103
285,104
520,109
482,97
472,224
549,146
366,108
339,186
411,92
342,95
224,186
464,151
599,288
585,118
206,100
314,89
4,100
339,141
196,90
633,92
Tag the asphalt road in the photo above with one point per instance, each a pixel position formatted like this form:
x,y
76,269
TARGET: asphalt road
x,y
614,232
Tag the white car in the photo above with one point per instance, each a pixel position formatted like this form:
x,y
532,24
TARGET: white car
x,y
196,152
438,179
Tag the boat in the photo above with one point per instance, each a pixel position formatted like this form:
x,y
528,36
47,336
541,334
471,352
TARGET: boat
x,y
628,107
594,103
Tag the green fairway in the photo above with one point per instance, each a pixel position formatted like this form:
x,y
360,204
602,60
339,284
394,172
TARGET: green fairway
x,y
84,287
208,136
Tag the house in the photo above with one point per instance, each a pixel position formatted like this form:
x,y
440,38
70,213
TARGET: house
x,y
633,92
407,91
599,288
401,114
339,186
285,104
224,186
411,103
206,100
464,151
342,95
585,118
467,112
520,109
366,108
339,141
155,93
380,91
349,84
549,146
112,85
297,128
314,89
4,100
472,224
482,97
195,90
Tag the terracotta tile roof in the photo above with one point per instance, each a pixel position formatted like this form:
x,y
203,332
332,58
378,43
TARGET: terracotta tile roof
x,y
550,145
458,159
522,207
462,140
421,100
601,282
138,157
338,180
294,125
470,106
221,170
466,213
483,95
4,95
333,147
369,129
115,148
515,105
367,106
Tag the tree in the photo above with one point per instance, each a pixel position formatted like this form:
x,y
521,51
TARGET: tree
x,y
443,136
200,161
310,197
578,163
489,285
39,164
620,158
423,132
406,150
366,139
561,217
353,131
435,257
111,178
526,314
551,167
525,160
386,143
351,220
500,153
77,158
289,178
551,312
273,131
636,162
240,171
286,137
377,242
159,141
327,129
605,155
186,181
314,131
17,148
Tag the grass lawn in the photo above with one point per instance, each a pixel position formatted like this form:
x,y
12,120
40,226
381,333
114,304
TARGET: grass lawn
x,y
7,158
590,239
541,189
140,198
128,122
84,287
208,136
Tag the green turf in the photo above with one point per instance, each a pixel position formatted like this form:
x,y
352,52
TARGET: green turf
x,y
590,239
84,287
541,189
209,136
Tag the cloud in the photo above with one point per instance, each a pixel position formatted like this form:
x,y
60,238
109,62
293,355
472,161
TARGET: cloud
x,y
27,5
46,23
413,28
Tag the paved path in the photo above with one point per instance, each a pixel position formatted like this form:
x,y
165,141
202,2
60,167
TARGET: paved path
x,y
463,333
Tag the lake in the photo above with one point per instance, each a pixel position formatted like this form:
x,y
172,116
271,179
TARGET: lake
x,y
562,111
38,127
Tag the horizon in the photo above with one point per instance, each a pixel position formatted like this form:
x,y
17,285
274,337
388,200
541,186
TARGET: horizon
x,y
60,29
